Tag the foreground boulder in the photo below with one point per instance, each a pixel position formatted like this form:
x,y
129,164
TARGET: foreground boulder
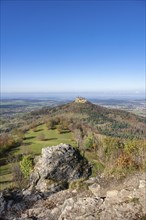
x,y
118,204
58,166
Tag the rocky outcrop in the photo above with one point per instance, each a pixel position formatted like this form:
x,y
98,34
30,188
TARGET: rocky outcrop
x,y
118,204
124,204
57,166
101,199
80,208
13,203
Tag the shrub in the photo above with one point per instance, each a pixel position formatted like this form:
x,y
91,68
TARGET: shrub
x,y
98,168
51,124
41,137
17,175
125,161
89,141
7,142
59,129
26,165
113,148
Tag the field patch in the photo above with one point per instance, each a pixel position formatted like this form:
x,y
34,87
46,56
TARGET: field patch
x,y
34,140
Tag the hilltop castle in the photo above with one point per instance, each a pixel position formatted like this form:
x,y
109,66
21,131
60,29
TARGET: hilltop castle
x,y
80,100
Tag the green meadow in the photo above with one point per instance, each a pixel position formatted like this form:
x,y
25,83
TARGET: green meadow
x,y
33,143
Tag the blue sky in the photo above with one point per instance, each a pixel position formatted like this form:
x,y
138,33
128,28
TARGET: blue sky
x,y
72,46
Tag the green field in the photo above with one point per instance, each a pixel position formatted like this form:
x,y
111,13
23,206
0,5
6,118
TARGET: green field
x,y
33,144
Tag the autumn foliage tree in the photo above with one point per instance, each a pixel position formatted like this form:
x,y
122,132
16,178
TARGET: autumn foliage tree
x,y
78,136
7,141
51,124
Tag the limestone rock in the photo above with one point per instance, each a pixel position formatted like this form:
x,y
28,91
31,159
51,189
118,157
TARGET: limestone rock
x,y
81,209
124,205
47,199
91,180
58,164
9,199
95,189
112,193
142,183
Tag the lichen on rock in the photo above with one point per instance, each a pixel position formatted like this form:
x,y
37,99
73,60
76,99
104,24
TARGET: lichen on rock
x,y
58,165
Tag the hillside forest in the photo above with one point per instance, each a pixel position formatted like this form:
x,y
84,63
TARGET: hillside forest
x,y
112,140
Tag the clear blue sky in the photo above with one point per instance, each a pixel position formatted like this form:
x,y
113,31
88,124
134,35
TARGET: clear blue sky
x,y
52,46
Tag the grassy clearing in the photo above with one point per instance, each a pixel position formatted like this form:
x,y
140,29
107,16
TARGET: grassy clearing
x,y
32,144
5,176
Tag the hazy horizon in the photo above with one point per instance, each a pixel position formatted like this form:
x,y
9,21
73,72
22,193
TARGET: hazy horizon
x,y
72,95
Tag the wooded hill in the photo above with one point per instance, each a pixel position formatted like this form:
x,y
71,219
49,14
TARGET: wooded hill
x,y
113,141
105,121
